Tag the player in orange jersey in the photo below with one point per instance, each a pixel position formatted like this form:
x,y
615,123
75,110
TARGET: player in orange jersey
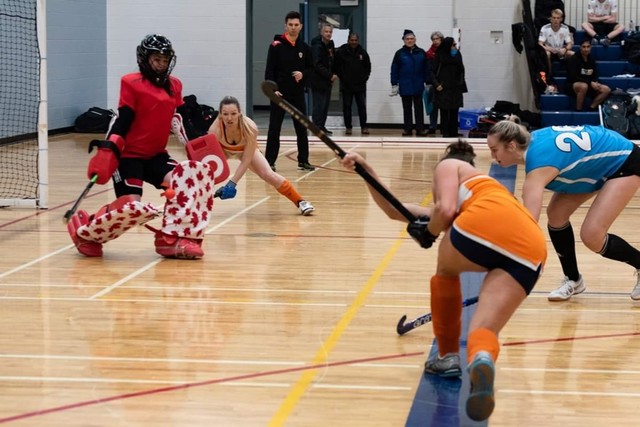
x,y
466,205
238,136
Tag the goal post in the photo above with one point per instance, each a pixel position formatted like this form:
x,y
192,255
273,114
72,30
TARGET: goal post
x,y
23,104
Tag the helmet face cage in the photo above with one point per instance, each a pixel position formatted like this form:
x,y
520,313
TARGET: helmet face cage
x,y
155,43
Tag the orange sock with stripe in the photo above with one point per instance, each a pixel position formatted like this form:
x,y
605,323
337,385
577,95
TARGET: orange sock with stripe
x,y
482,339
289,191
446,312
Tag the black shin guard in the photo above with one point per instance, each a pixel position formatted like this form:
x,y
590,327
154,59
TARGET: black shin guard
x,y
618,249
564,243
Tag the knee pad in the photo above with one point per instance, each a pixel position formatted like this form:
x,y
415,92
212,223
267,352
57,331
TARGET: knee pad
x,y
187,214
113,220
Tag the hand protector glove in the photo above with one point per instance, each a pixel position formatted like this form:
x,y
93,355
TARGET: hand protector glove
x,y
420,233
105,162
227,192
394,90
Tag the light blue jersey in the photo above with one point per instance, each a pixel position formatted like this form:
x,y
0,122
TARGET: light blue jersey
x,y
585,155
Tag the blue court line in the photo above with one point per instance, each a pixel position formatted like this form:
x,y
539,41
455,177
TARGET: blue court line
x,y
440,402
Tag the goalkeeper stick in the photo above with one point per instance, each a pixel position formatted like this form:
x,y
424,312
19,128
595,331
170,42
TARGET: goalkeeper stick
x,y
403,328
67,216
269,88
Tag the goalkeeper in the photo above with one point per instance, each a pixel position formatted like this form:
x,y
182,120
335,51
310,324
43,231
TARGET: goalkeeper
x,y
135,152
485,230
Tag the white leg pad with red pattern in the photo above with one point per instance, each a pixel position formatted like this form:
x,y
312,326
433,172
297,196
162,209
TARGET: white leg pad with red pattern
x,y
187,214
114,219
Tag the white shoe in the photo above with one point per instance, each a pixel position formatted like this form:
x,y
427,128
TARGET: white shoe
x,y
568,288
635,293
305,208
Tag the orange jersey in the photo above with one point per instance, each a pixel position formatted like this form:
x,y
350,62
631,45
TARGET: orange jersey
x,y
231,147
491,216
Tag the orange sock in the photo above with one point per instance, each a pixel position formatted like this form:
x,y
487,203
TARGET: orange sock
x,y
482,339
289,191
446,309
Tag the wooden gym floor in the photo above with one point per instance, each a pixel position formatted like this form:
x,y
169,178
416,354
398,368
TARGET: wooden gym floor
x,y
288,320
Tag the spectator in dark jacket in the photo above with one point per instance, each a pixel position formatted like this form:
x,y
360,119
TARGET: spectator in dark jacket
x,y
582,78
353,67
410,72
323,77
289,62
448,79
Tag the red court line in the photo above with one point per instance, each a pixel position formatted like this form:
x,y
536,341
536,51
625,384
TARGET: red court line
x,y
276,372
48,210
588,337
200,384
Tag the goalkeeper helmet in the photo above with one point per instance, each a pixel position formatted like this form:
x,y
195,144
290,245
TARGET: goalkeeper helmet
x,y
155,43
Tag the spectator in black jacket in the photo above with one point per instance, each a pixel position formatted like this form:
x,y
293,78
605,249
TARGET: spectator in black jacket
x,y
323,77
353,67
582,78
449,82
289,62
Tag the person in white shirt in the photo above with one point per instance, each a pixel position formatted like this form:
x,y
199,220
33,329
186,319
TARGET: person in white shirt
x,y
555,38
602,20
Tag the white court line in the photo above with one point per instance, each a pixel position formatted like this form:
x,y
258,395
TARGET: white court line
x,y
234,383
178,301
35,261
188,288
125,279
151,360
146,360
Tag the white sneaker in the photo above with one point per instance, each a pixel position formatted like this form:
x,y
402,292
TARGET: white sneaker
x,y
568,288
635,293
305,208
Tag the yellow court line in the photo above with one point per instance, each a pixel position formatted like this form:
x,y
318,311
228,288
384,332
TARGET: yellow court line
x,y
308,376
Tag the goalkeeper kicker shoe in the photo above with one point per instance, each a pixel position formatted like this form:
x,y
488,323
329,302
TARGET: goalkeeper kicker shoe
x,y
177,247
85,247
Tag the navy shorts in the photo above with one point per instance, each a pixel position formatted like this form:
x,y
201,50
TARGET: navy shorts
x,y
491,260
133,172
631,166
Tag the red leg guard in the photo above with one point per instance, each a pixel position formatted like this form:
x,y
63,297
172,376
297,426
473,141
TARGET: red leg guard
x,y
177,247
85,247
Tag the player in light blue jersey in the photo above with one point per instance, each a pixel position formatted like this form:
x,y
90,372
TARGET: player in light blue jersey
x,y
576,163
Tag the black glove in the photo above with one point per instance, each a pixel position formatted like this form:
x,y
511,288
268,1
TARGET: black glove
x,y
418,231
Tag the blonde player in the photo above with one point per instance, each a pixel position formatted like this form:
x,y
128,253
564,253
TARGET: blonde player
x,y
238,136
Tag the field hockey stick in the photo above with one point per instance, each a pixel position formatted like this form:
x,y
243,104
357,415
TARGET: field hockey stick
x,y
403,328
269,88
67,216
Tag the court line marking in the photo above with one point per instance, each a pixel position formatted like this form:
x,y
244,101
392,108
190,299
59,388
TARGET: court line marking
x,y
241,383
273,372
320,359
35,261
184,386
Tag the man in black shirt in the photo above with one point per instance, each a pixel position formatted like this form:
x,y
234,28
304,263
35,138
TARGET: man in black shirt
x,y
289,63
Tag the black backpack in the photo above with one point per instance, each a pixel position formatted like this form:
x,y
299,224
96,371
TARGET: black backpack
x,y
615,111
199,117
631,47
95,120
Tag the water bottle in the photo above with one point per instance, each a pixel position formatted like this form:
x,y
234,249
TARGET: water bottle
x,y
631,27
